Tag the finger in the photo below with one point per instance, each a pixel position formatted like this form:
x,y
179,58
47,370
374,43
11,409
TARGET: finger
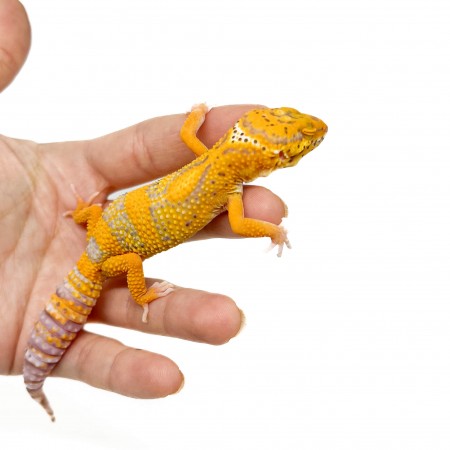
x,y
185,313
259,203
15,40
108,364
152,148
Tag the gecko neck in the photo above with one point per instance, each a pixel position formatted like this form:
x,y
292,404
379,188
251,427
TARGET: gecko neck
x,y
241,164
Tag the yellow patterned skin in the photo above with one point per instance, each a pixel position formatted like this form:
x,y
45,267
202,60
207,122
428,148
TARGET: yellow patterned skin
x,y
165,213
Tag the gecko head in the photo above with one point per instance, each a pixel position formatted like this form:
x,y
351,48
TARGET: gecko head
x,y
279,137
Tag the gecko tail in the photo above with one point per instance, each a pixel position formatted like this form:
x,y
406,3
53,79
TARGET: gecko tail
x,y
57,326
41,398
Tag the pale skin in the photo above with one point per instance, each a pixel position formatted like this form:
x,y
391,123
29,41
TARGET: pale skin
x,y
39,245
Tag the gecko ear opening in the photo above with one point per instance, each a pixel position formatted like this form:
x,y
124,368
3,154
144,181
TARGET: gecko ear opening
x,y
282,155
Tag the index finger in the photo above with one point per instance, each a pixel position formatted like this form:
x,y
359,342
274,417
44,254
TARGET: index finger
x,y
153,148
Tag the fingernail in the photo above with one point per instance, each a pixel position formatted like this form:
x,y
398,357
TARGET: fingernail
x,y
181,384
243,322
286,209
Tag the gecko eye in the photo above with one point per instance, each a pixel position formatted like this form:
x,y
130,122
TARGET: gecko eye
x,y
309,131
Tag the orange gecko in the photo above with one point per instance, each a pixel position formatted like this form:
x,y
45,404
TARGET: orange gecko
x,y
163,214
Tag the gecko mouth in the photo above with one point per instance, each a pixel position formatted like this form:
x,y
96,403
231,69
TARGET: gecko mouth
x,y
289,161
312,145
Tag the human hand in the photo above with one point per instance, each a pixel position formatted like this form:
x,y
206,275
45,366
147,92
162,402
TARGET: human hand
x,y
39,246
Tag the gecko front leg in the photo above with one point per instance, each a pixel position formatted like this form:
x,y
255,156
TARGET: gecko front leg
x,y
190,127
131,264
253,227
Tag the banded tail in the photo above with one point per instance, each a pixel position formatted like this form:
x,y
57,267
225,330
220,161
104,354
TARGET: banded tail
x,y
58,324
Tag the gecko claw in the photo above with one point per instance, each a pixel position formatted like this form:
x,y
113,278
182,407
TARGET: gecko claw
x,y
203,107
281,241
157,290
79,198
145,313
81,203
280,247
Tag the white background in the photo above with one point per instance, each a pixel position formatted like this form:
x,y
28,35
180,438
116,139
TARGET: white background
x,y
347,343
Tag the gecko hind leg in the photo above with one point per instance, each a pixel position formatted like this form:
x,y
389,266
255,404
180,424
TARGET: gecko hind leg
x,y
131,265
85,212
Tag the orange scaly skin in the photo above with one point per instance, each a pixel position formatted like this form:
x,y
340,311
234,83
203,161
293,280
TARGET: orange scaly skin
x,y
163,214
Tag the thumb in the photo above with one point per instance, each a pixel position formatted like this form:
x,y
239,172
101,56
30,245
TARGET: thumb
x,y
15,40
